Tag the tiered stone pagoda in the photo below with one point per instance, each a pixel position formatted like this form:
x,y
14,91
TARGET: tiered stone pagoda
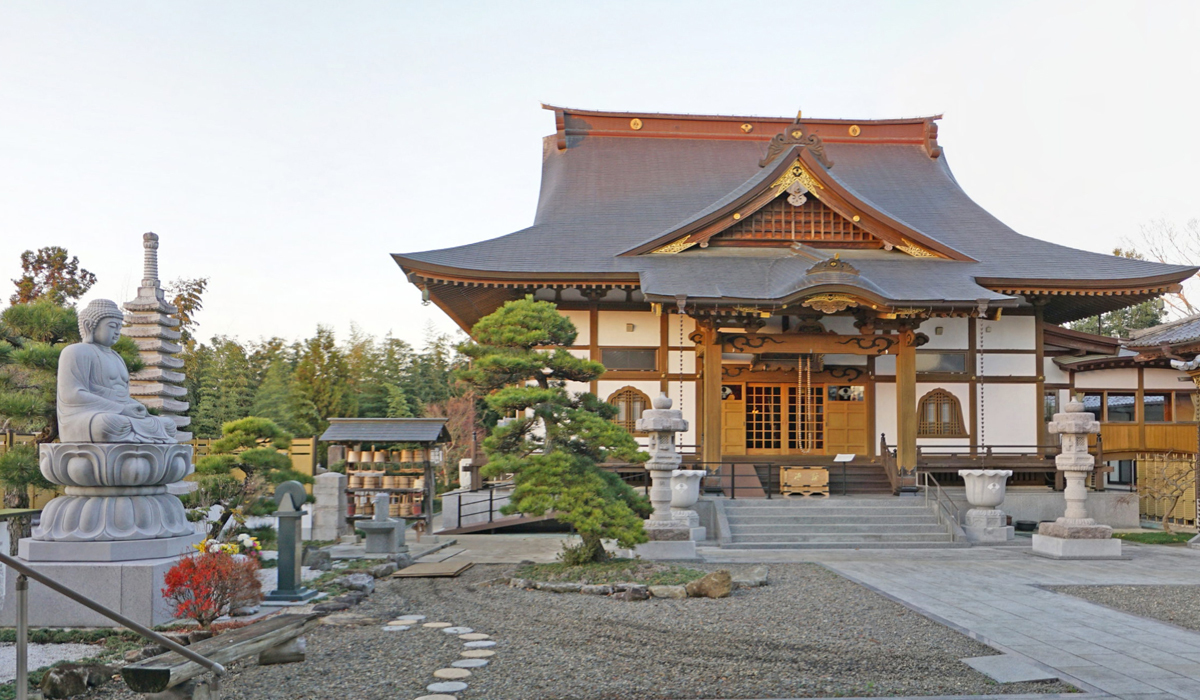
x,y
150,324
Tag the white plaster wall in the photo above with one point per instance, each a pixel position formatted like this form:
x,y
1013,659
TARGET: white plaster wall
x,y
1122,378
840,324
885,365
1166,380
1009,333
962,392
689,407
578,387
1009,414
673,321
953,337
844,359
689,362
993,365
584,354
1053,373
612,328
885,412
583,325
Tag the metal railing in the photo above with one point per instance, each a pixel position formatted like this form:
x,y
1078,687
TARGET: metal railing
x,y
944,507
490,502
24,573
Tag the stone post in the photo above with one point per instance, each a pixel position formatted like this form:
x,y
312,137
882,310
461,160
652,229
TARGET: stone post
x,y
1074,535
384,535
289,499
669,538
329,514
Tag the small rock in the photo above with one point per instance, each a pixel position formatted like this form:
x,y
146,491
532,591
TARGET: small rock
x,y
383,570
596,590
718,584
351,597
330,607
245,612
520,583
318,560
476,653
356,582
446,687
402,560
751,579
457,630
411,618
633,593
668,591
73,679
349,620
179,638
480,644
436,625
558,587
199,636
473,636
470,663
452,674
389,627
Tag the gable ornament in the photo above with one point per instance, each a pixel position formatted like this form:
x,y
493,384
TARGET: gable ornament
x,y
829,303
796,135
834,264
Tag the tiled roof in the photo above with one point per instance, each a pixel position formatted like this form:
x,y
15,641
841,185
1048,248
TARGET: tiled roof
x,y
386,430
1183,330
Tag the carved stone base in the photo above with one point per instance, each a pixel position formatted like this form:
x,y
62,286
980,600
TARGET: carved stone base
x,y
108,550
108,518
1087,548
667,530
1068,531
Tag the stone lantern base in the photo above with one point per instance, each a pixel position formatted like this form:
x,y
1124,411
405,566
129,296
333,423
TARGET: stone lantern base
x,y
1059,540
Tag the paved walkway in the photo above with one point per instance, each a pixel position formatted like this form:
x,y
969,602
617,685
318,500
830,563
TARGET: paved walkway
x,y
994,595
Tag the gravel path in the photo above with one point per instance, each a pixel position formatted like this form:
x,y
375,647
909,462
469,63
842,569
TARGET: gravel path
x,y
1178,605
43,655
809,633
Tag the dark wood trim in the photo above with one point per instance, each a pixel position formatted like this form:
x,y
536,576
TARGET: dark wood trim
x,y
594,337
1040,337
973,364
664,349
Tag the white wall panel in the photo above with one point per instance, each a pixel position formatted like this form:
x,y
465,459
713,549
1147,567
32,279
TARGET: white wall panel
x,y
613,327
1009,333
583,325
1008,414
673,322
689,362
1167,379
885,365
689,408
885,412
1123,378
993,365
1053,373
953,337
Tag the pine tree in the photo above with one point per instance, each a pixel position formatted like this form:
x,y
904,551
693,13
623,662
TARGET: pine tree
x,y
279,399
555,440
49,274
225,389
322,376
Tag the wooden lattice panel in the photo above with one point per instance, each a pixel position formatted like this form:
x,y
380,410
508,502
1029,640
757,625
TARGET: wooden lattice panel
x,y
811,223
806,426
764,417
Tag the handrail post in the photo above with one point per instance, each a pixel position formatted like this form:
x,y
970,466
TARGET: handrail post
x,y
733,480
770,468
22,637
491,505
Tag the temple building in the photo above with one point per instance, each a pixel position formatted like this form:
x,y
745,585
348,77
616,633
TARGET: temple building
x,y
804,288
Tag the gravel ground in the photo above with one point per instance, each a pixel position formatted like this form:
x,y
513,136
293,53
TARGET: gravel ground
x,y
1178,605
809,633
43,655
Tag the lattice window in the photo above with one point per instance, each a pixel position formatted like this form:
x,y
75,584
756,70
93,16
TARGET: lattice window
x,y
812,223
630,403
764,417
939,413
806,427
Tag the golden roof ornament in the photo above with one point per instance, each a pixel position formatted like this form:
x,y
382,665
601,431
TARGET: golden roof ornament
x,y
796,134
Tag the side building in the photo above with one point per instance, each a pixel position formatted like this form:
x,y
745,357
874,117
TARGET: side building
x,y
801,287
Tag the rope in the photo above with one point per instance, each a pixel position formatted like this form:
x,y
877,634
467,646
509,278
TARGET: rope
x,y
980,382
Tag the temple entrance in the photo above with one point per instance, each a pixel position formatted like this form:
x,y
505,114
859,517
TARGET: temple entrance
x,y
783,419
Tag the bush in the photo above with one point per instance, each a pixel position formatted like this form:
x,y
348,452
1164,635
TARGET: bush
x,y
209,584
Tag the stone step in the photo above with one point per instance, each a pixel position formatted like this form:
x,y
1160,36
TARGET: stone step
x,y
785,530
740,513
845,545
845,538
830,519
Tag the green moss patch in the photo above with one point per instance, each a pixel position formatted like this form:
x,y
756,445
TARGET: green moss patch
x,y
1155,537
612,571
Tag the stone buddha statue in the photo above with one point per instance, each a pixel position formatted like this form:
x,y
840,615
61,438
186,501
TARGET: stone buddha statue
x,y
94,404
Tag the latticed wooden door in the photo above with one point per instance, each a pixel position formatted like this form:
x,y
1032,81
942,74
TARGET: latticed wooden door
x,y
764,419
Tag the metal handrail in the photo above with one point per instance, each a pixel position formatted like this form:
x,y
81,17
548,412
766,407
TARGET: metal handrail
x,y
491,504
22,589
923,479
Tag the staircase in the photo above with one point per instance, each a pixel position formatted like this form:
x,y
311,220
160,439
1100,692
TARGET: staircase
x,y
833,523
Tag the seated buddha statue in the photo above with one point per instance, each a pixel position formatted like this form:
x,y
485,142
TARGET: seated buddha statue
x,y
94,404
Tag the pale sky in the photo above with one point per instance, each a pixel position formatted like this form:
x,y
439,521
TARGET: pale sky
x,y
284,149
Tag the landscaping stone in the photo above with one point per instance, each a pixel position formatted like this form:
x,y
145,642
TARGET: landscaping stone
x,y
447,687
401,622
395,628
356,582
414,618
477,653
718,584
331,606
470,663
483,644
402,560
436,625
452,674
633,593
751,579
457,630
553,587
351,597
349,620
520,583
474,636
382,570
318,560
668,591
438,696
596,590
199,636
74,679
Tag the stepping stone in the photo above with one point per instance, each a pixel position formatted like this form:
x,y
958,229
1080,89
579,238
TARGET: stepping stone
x,y
473,636
413,618
436,625
480,645
458,630
395,628
439,696
477,653
452,674
447,687
400,623
470,663
1003,668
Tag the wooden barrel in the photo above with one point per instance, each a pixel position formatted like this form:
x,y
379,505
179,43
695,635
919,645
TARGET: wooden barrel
x,y
355,481
406,456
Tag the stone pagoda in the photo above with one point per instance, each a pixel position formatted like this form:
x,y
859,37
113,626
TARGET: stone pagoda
x,y
149,322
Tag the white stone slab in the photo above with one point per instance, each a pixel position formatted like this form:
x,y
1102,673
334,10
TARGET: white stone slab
x,y
667,549
1008,669
109,551
1062,548
132,588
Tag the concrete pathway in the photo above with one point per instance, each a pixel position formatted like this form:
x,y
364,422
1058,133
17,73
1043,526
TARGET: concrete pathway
x,y
995,595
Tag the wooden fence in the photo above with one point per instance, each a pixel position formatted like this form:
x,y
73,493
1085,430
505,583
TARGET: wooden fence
x,y
1162,477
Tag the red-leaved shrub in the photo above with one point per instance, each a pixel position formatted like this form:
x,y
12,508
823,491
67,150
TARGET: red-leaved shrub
x,y
207,585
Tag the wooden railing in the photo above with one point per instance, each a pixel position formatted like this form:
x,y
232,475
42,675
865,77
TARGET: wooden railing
x,y
888,457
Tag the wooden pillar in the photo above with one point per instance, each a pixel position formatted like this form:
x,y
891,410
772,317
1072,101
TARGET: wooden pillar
x,y
710,429
906,401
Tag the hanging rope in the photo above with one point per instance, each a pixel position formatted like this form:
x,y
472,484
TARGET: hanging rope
x,y
805,404
679,435
980,382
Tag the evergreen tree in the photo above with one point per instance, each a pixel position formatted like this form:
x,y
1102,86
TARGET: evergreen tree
x,y
279,399
225,388
323,377
555,440
49,274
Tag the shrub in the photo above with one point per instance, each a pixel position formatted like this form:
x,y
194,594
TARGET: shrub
x,y
212,583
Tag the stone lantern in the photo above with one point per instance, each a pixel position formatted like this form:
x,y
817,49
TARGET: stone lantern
x,y
1075,536
985,522
669,538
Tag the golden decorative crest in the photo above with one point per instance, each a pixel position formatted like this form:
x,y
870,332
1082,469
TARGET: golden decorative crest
x,y
794,174
676,246
914,250
795,135
834,264
747,128
635,124
855,130
830,303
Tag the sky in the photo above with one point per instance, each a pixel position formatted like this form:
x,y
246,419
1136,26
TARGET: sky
x,y
284,149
